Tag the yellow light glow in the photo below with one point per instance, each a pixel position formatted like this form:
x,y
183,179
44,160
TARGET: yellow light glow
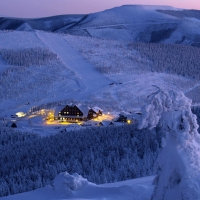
x,y
129,121
20,114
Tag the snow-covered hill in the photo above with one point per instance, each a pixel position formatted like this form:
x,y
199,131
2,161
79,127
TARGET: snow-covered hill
x,y
46,24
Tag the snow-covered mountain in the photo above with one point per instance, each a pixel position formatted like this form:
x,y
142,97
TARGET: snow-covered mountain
x,y
47,24
127,23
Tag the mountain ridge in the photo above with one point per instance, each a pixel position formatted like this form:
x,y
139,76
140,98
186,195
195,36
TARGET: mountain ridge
x,y
135,23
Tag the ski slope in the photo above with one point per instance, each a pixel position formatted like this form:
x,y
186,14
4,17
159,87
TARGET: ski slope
x,y
85,71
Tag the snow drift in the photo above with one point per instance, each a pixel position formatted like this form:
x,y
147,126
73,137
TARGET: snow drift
x,y
75,187
66,184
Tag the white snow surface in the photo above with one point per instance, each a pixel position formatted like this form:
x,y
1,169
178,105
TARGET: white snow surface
x,y
73,60
25,27
19,40
3,64
75,187
129,14
127,22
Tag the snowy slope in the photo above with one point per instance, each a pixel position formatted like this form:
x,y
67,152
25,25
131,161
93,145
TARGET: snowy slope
x,y
25,27
72,78
3,64
138,189
48,24
19,40
127,67
87,68
21,84
73,60
139,23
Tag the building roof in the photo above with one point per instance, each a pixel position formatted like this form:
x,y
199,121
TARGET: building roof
x,y
11,125
83,109
106,123
58,109
125,114
96,109
72,116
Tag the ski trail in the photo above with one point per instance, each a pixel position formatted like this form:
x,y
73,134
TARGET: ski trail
x,y
89,78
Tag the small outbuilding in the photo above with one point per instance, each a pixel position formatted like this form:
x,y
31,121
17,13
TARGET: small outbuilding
x,y
94,112
106,123
125,118
11,125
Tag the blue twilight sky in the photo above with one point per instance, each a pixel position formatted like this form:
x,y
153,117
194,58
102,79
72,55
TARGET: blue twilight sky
x,y
42,8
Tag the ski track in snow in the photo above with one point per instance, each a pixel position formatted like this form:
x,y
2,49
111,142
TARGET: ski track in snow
x,y
192,88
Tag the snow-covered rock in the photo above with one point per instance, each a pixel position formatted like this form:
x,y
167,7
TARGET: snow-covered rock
x,y
66,184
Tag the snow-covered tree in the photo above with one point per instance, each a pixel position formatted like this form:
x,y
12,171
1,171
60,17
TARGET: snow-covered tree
x,y
100,154
178,164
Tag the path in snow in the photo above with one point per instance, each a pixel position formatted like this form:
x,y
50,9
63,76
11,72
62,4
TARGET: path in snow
x,y
89,78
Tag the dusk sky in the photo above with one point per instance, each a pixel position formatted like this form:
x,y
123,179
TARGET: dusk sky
x,y
42,8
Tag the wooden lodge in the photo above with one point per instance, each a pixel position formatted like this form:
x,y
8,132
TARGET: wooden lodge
x,y
75,113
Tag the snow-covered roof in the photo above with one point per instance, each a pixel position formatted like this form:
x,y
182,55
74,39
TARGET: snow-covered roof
x,y
83,109
58,109
125,114
106,123
97,109
11,124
